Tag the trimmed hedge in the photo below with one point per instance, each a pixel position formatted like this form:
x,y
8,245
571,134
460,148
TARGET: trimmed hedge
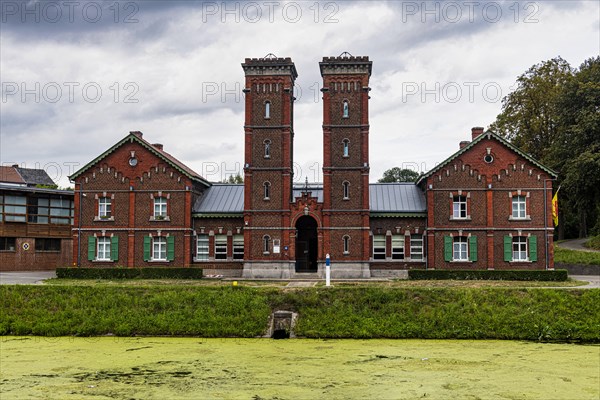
x,y
129,273
492,275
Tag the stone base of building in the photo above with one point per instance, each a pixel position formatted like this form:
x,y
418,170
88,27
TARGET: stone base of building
x,y
287,270
389,273
225,273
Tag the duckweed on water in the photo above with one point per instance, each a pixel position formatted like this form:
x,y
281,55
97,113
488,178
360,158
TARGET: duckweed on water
x,y
169,368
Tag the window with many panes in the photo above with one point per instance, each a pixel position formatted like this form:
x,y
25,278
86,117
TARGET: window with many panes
x,y
202,247
160,207
61,211
519,248
398,247
38,209
104,207
220,247
238,247
459,207
379,247
416,247
159,248
519,207
103,251
460,249
15,208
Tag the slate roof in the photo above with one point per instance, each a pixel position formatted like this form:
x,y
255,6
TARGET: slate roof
x,y
35,176
25,176
490,135
396,198
137,137
221,199
227,199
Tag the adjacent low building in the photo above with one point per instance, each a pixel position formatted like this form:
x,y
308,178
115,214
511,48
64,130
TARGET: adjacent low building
x,y
35,221
485,207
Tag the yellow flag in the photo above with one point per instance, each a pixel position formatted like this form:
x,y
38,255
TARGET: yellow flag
x,y
555,208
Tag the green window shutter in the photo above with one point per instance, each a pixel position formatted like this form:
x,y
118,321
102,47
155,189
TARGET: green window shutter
x,y
448,248
114,248
170,248
473,248
147,244
532,248
507,248
91,248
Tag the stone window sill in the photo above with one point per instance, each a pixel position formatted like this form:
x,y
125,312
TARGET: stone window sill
x,y
159,261
163,219
97,218
102,261
527,218
453,218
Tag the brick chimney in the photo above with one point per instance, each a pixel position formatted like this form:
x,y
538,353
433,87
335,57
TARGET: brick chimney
x,y
137,133
476,131
158,146
464,143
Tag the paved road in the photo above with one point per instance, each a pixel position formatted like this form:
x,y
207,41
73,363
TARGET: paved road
x,y
25,278
576,244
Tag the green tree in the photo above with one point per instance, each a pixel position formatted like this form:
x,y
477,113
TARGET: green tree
x,y
234,179
399,175
529,117
576,149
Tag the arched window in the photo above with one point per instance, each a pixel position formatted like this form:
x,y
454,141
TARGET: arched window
x,y
267,187
267,143
346,187
345,148
346,112
266,244
346,240
267,109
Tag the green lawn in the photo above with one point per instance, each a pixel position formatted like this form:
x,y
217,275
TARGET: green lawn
x,y
575,257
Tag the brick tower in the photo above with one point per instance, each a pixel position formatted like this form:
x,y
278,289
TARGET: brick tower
x,y
268,169
346,163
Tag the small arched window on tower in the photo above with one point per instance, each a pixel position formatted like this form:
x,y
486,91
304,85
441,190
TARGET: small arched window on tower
x,y
345,112
346,240
345,148
266,244
267,187
346,188
267,109
267,143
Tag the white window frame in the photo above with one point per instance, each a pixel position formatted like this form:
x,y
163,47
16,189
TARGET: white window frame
x,y
202,247
460,248
416,247
160,207
519,207
459,207
103,248
379,247
345,148
267,109
104,207
519,249
346,190
159,248
220,247
266,244
267,144
238,247
345,108
398,252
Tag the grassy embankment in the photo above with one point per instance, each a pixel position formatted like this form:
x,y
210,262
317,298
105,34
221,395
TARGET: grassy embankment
x,y
341,312
567,256
593,243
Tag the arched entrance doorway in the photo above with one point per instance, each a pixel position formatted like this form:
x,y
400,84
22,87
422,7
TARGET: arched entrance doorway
x,y
307,244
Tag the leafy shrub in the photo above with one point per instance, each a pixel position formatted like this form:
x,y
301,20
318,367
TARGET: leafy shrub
x,y
129,273
500,275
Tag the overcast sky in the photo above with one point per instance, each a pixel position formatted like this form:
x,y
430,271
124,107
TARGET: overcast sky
x,y
77,76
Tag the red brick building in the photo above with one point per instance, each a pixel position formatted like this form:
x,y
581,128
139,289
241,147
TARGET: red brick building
x,y
487,206
35,221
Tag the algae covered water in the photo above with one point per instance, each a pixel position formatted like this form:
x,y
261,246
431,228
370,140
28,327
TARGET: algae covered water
x,y
179,368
